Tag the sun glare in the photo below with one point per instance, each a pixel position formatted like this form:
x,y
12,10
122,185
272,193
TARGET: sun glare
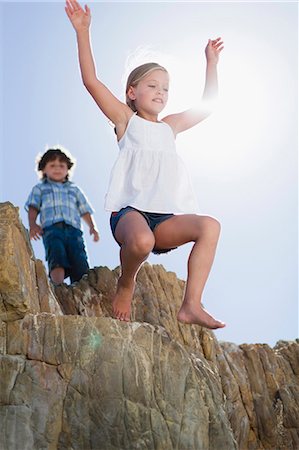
x,y
231,141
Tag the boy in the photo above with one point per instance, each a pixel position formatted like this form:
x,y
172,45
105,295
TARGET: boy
x,y
61,204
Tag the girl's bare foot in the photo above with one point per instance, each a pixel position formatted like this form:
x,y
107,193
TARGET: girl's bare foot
x,y
121,304
196,314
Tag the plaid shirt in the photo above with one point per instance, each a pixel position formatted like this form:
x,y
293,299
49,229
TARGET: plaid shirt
x,y
58,202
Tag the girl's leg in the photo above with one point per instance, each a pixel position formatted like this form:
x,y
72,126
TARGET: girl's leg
x,y
57,275
204,232
137,241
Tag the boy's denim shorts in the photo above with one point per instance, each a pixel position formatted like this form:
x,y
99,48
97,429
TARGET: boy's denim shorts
x,y
64,246
153,219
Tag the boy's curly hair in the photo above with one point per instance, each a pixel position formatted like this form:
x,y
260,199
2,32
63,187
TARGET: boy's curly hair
x,y
50,155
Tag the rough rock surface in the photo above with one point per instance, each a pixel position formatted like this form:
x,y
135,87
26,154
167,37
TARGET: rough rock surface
x,y
74,378
24,286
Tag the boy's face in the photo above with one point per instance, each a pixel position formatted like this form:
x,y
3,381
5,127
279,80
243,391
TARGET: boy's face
x,y
56,170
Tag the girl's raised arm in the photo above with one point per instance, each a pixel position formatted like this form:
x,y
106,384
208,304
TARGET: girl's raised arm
x,y
114,109
187,119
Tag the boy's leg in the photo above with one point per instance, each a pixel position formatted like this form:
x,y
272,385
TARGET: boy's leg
x,y
54,243
137,241
76,254
204,232
57,275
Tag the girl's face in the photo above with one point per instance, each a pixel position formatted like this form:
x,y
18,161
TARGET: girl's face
x,y
56,170
151,93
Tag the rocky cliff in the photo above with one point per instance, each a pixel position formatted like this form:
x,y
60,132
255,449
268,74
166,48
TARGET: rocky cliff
x,y
74,378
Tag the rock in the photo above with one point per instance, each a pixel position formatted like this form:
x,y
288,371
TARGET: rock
x,y
100,383
262,394
157,299
47,299
24,287
72,377
18,290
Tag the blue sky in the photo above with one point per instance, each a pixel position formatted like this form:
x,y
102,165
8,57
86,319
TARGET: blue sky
x,y
242,160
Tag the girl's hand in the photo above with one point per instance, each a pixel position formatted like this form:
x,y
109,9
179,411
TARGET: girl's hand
x,y
213,50
79,18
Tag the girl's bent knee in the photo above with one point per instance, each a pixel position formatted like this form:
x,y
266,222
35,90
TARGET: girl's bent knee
x,y
215,225
141,244
212,226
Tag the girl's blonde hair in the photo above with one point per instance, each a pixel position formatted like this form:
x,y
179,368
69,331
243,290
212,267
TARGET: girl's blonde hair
x,y
137,75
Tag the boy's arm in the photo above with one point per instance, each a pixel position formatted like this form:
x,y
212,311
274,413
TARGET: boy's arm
x,y
32,206
87,217
35,230
118,112
187,119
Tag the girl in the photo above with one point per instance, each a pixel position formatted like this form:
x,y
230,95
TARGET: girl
x,y
152,202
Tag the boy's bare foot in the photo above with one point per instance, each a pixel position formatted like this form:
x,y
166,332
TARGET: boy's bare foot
x,y
121,304
199,316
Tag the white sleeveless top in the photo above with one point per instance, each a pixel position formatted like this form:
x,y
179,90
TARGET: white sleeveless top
x,y
148,173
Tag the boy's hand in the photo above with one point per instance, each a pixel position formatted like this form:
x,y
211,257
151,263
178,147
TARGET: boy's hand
x,y
79,18
35,232
213,50
94,231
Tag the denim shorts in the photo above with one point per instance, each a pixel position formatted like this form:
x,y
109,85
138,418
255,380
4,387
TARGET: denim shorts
x,y
64,246
153,219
